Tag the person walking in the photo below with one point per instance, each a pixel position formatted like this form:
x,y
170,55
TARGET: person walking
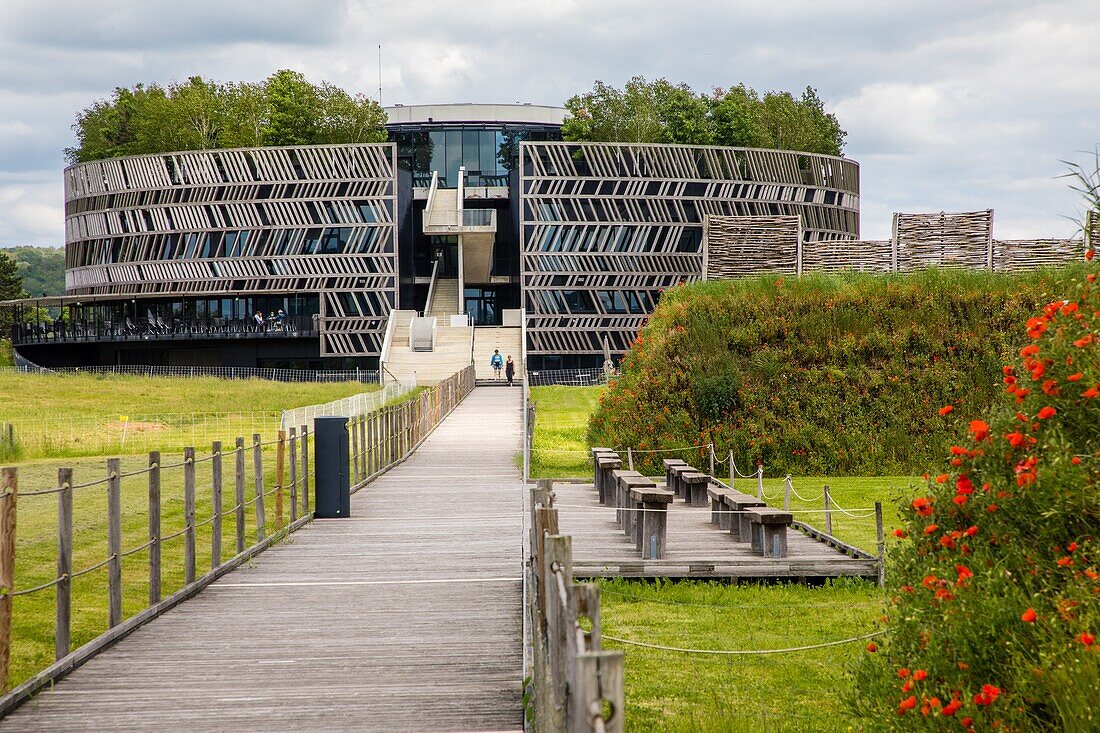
x,y
509,369
496,362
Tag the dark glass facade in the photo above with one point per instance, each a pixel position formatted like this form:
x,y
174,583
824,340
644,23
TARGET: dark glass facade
x,y
488,152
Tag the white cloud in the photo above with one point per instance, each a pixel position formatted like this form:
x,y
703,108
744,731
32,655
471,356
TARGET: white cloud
x,y
949,105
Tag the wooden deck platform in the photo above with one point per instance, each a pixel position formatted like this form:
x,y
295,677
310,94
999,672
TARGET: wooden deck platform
x,y
695,547
405,617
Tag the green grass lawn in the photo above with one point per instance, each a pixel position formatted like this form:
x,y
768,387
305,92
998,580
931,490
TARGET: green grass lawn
x,y
674,691
36,543
796,691
83,415
561,421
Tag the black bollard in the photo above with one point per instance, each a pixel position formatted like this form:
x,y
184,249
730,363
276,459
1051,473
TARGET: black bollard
x,y
331,454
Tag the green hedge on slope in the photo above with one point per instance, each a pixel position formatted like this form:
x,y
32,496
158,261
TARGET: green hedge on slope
x,y
822,374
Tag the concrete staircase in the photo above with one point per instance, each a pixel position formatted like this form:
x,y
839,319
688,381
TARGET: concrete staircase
x,y
505,338
444,300
451,353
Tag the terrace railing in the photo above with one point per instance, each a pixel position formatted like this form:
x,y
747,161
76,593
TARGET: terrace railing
x,y
155,328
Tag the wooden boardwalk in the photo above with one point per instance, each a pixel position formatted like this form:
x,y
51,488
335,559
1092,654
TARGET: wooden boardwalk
x,y
695,547
405,617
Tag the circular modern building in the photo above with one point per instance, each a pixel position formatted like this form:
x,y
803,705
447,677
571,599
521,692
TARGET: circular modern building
x,y
300,257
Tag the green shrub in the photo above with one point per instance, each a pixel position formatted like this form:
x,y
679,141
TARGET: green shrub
x,y
995,608
820,375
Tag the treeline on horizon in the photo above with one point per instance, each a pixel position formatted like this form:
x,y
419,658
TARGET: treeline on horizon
x,y
288,109
201,114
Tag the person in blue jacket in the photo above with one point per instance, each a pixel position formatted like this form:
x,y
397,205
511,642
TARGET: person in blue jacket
x,y
497,362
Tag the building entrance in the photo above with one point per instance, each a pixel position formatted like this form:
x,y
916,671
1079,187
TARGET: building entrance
x,y
481,306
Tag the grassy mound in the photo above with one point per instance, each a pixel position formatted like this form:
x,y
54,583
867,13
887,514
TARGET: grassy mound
x,y
822,374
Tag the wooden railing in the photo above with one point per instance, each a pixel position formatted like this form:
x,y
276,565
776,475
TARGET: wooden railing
x,y
379,441
576,686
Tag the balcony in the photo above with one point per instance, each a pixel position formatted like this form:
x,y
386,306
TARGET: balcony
x,y
164,329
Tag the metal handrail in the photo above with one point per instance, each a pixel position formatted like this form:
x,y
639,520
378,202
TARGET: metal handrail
x,y
384,354
431,287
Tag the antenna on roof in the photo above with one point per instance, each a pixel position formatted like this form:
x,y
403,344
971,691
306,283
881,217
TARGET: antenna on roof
x,y
379,74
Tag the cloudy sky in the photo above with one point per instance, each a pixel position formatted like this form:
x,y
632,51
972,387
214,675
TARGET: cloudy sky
x,y
949,105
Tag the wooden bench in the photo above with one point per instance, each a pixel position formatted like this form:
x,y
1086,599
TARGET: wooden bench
x,y
718,513
679,487
769,530
740,525
625,481
695,487
606,463
652,529
670,476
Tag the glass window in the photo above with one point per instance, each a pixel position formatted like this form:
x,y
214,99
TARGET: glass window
x,y
439,152
454,157
334,240
471,156
579,301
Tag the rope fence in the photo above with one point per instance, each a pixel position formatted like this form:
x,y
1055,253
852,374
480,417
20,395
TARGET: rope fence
x,y
742,652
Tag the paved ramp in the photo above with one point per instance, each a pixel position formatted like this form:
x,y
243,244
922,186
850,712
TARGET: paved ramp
x,y
404,617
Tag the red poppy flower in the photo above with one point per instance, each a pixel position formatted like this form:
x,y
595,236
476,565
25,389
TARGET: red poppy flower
x,y
971,531
1083,341
1076,460
922,506
899,533
988,694
903,672
964,573
1029,616
963,485
1086,638
958,450
872,647
1050,387
907,704
1065,562
1072,547
920,674
1045,413
1075,377
942,478
1007,370
1038,370
980,429
952,707
960,500
1090,253
944,595
931,528
1036,327
1015,439
946,409
966,722
1091,392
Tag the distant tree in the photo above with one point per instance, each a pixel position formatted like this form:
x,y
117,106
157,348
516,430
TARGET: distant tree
x,y
11,287
200,114
294,107
347,119
662,112
42,268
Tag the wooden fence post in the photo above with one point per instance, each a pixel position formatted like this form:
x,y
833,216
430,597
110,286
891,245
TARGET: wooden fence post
x,y
216,502
760,481
114,544
63,608
732,469
557,555
9,491
881,545
599,679
354,450
787,488
293,475
630,458
154,527
712,459
280,478
188,516
371,453
305,470
258,471
238,493
828,512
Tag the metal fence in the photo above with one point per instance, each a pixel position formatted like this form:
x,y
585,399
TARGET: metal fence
x,y
569,377
365,376
353,406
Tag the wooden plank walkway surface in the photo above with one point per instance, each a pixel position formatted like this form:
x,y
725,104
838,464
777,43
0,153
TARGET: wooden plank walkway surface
x,y
405,617
695,547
